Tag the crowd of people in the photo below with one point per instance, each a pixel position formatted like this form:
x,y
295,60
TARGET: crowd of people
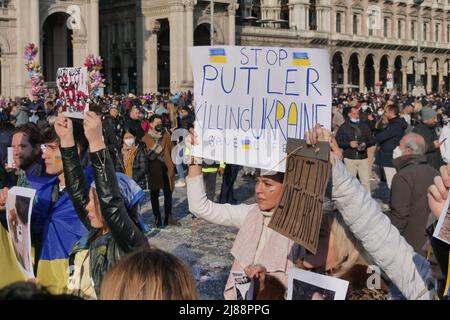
x,y
91,176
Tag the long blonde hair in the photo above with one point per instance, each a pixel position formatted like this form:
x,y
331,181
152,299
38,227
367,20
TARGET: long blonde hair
x,y
348,249
149,274
172,115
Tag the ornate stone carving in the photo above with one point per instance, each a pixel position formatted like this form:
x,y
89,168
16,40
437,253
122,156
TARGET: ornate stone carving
x,y
232,8
190,4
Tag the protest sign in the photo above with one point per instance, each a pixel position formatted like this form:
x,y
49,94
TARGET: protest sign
x,y
299,213
18,213
73,88
307,285
442,230
10,162
250,100
243,286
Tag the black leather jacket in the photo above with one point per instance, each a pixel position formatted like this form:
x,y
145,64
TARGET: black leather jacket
x,y
124,236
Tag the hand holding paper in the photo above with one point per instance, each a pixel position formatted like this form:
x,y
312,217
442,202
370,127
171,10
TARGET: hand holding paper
x,y
93,131
3,197
64,130
438,192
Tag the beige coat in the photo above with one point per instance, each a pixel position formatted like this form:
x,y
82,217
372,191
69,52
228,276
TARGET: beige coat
x,y
277,254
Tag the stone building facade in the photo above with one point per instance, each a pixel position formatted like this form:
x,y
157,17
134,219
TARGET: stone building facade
x,y
61,29
144,43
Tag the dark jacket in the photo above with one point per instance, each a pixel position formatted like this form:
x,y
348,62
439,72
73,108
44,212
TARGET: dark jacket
x,y
111,142
140,168
389,139
124,235
409,203
434,156
361,133
187,122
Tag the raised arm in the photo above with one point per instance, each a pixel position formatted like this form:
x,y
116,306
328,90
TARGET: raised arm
x,y
409,271
75,179
122,227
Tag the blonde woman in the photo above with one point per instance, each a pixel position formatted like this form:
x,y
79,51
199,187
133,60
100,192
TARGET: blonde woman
x,y
172,110
149,274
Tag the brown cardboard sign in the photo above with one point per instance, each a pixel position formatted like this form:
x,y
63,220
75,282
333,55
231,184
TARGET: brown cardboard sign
x,y
299,213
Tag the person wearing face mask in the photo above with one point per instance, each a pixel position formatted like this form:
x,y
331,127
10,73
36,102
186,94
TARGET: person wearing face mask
x,y
161,169
427,129
409,207
354,137
134,160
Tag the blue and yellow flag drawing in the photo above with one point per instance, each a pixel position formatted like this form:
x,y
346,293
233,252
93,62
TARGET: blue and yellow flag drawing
x,y
217,55
301,59
246,144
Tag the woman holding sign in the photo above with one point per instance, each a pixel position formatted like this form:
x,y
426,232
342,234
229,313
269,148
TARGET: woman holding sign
x,y
105,207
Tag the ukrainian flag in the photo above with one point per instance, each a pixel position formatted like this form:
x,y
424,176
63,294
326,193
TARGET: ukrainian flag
x,y
59,229
301,59
217,55
246,144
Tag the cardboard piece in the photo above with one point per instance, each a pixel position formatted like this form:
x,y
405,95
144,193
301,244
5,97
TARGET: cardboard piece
x,y
299,213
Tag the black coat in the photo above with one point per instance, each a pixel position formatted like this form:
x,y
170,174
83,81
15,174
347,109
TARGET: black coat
x,y
348,132
409,203
389,139
434,156
140,168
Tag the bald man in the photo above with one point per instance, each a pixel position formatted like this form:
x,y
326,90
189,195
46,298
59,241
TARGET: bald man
x,y
409,206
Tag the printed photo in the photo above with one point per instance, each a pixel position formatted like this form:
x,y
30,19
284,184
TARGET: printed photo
x,y
442,231
308,285
18,214
306,291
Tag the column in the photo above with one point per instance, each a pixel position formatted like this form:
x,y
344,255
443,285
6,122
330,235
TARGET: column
x,y
429,80
189,6
94,30
80,44
34,26
232,23
319,19
177,47
405,80
441,78
362,86
147,54
376,68
345,67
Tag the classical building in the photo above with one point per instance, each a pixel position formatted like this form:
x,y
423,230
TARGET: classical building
x,y
372,43
63,31
144,43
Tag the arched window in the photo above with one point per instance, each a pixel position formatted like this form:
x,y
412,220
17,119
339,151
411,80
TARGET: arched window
x,y
312,15
338,22
355,24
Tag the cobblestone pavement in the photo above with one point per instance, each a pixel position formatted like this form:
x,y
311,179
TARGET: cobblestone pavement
x,y
206,247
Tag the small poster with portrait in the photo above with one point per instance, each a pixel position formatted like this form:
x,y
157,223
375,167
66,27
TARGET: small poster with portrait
x,y
73,88
18,213
308,285
442,230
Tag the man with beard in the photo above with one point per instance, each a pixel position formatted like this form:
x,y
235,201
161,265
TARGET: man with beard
x,y
26,142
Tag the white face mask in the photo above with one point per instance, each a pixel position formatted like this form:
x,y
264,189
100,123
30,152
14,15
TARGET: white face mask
x,y
380,113
129,142
354,120
397,153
